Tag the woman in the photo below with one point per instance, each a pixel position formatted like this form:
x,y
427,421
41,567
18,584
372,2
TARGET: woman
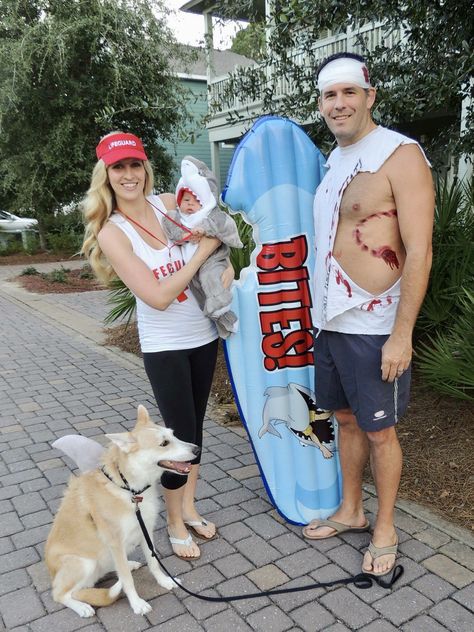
x,y
124,237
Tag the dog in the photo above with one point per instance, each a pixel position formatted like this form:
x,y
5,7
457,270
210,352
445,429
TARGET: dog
x,y
96,527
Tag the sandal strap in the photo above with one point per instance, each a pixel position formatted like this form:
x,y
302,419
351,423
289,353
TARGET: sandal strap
x,y
378,551
196,523
184,542
339,527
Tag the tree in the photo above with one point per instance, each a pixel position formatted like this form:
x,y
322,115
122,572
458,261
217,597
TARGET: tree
x,y
250,41
71,71
426,73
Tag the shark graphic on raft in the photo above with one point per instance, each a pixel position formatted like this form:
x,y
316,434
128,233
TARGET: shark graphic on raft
x,y
294,406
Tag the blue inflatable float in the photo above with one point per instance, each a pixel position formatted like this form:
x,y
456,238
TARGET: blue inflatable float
x,y
272,179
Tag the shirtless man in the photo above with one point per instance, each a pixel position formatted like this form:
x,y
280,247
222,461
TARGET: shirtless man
x,y
373,216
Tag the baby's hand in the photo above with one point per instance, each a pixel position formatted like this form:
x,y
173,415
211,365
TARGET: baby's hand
x,y
196,235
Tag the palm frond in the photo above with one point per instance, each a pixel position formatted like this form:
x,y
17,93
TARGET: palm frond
x,y
446,360
123,302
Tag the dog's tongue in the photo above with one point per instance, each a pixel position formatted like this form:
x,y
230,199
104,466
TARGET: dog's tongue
x,y
179,466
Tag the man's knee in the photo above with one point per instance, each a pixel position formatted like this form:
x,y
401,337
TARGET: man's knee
x,y
384,436
345,418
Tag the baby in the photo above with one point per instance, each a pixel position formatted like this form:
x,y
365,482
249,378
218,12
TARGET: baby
x,y
198,212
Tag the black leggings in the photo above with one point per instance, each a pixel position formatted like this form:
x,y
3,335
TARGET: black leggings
x,y
181,381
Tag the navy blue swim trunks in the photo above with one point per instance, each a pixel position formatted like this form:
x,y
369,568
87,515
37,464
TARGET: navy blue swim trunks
x,y
348,375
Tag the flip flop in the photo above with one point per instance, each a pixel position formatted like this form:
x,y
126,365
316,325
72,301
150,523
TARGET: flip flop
x,y
183,542
338,527
378,551
192,524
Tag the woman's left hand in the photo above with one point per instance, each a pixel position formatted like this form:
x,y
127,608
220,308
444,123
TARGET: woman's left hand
x,y
196,235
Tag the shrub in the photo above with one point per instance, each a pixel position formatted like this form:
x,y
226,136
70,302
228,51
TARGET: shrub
x,y
445,327
453,257
29,271
59,275
64,243
86,272
446,360
64,231
10,244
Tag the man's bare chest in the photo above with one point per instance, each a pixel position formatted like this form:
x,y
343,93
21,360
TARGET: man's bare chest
x,y
367,193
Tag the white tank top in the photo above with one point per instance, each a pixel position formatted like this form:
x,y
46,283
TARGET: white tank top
x,y
182,325
340,304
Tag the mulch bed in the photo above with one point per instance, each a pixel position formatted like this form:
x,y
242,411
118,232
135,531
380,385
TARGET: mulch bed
x,y
436,435
66,281
41,257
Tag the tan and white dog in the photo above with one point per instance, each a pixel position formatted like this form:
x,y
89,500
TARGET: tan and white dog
x,y
96,526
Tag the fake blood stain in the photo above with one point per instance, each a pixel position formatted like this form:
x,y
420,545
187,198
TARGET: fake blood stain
x,y
388,255
340,279
384,252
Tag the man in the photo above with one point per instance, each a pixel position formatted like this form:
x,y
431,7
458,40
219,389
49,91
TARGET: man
x,y
373,215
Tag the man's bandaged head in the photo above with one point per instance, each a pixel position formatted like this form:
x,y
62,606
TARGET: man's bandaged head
x,y
343,70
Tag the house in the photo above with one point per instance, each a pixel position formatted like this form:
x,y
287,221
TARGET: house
x,y
232,116
194,78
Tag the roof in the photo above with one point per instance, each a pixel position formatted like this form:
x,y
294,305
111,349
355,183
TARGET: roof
x,y
207,6
224,62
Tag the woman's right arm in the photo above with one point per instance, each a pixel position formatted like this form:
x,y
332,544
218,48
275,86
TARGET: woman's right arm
x,y
138,277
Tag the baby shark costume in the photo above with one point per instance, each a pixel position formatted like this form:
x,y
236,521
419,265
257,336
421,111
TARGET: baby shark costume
x,y
207,286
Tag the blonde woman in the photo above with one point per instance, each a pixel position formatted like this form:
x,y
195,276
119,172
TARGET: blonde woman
x,y
125,238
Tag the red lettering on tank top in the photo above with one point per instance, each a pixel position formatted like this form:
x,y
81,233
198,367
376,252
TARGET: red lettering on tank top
x,y
165,271
284,301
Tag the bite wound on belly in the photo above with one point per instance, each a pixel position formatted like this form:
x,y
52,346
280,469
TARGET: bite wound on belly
x,y
383,252
388,255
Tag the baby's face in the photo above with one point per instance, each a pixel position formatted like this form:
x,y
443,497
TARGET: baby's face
x,y
189,203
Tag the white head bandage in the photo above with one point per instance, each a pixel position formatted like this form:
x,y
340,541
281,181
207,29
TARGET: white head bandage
x,y
344,70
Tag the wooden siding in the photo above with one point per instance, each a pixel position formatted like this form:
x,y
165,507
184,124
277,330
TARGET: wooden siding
x,y
201,148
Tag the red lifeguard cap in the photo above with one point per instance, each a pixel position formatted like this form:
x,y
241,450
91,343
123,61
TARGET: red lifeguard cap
x,y
119,146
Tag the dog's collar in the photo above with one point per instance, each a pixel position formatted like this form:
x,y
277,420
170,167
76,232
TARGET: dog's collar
x,y
136,495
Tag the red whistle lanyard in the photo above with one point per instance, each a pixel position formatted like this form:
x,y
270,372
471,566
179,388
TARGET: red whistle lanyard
x,y
182,297
148,232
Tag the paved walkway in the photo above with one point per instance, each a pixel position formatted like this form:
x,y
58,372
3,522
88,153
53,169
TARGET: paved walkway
x,y
56,379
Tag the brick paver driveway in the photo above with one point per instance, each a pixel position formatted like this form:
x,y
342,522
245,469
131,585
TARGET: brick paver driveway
x,y
56,379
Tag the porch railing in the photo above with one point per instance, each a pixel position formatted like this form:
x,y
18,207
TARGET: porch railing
x,y
222,101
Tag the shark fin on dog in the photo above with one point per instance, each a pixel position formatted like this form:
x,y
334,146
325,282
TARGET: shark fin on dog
x,y
86,453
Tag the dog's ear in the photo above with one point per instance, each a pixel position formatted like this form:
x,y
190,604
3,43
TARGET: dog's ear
x,y
124,440
143,418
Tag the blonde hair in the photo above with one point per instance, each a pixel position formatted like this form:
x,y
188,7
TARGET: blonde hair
x,y
97,206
